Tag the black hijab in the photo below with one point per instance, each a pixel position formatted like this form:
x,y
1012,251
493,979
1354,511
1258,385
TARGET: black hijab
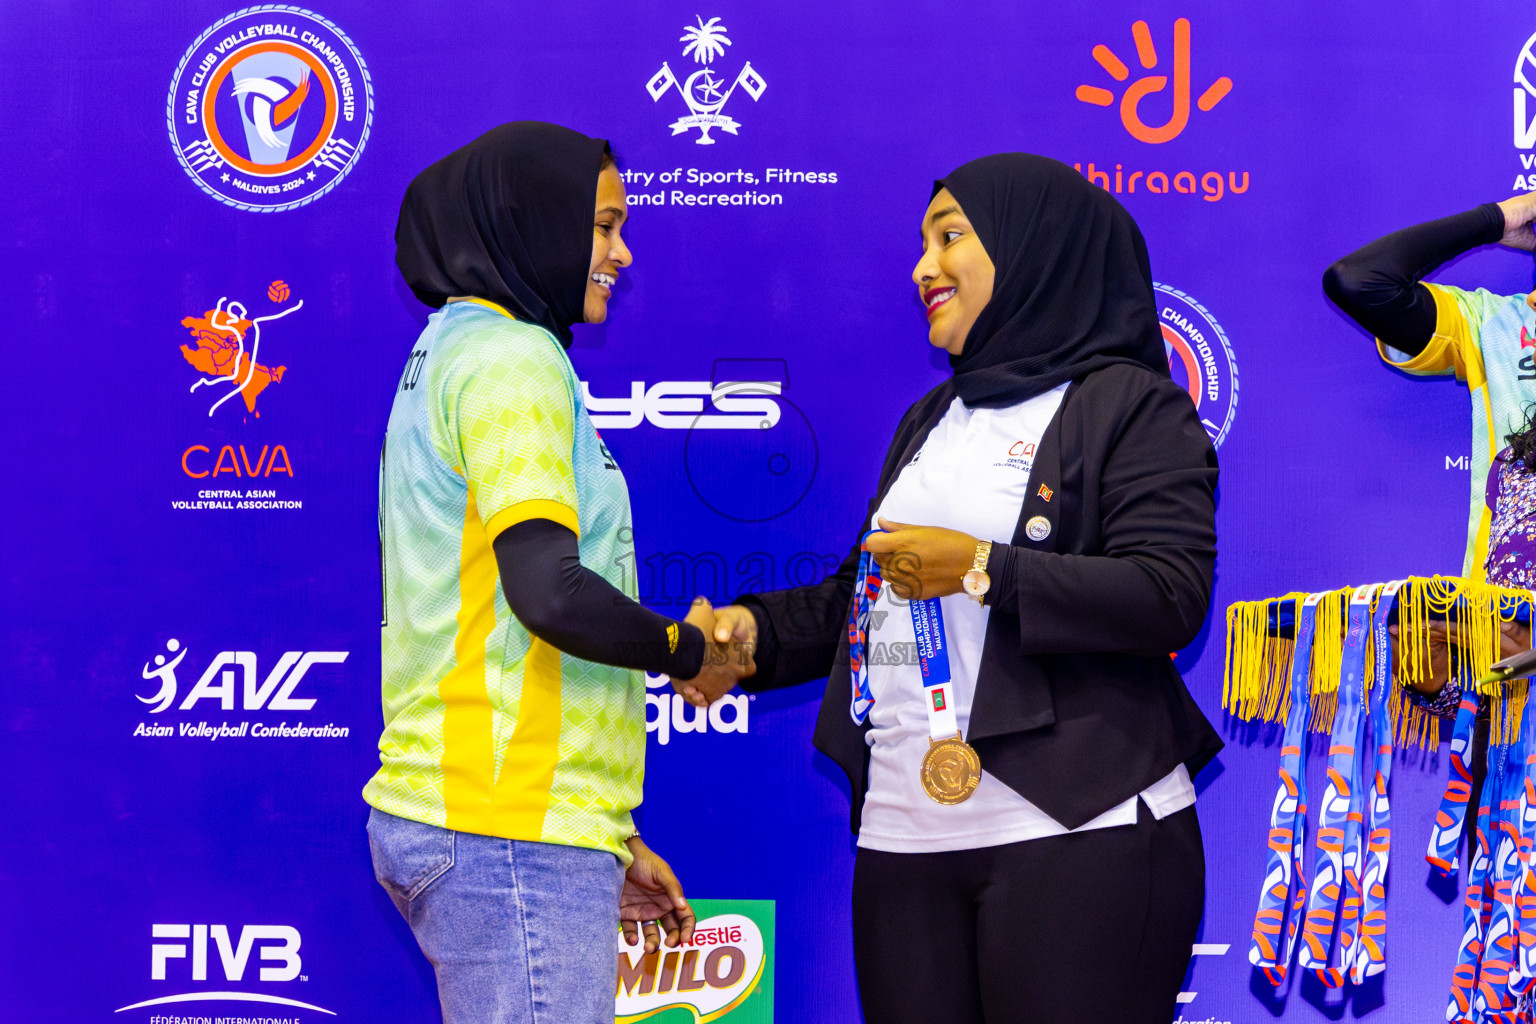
x,y
506,218
1072,292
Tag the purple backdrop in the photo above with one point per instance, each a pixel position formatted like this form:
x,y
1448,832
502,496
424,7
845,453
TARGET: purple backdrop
x,y
174,832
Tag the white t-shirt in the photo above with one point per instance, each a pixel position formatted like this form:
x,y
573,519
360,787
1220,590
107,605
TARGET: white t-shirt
x,y
970,475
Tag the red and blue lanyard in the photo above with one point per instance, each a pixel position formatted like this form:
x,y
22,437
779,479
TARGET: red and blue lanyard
x,y
932,649
1275,925
1336,867
1370,955
866,588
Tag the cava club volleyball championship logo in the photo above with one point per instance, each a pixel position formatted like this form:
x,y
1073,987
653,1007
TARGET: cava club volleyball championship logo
x,y
270,108
1200,358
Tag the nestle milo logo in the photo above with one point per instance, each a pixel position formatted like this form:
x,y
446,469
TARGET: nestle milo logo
x,y
726,969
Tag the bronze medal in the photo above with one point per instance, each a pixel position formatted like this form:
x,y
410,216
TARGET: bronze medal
x,y
950,770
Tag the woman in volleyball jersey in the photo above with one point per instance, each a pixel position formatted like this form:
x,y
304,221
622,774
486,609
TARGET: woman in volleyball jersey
x,y
514,701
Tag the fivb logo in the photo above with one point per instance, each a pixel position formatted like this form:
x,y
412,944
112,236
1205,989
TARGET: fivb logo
x,y
273,949
219,681
1130,100
679,405
233,955
702,90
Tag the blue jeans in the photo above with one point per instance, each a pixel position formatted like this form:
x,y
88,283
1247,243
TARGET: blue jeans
x,y
518,932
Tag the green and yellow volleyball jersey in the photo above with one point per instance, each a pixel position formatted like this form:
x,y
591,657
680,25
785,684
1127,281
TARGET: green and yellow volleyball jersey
x,y
1488,341
488,729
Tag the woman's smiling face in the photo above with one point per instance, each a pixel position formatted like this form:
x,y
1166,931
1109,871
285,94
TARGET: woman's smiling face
x,y
954,275
609,253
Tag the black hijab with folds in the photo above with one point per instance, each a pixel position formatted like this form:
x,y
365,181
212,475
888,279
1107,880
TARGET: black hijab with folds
x,y
507,218
1072,291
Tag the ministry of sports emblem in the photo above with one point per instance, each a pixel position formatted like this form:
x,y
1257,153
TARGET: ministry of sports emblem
x,y
705,93
1199,358
270,108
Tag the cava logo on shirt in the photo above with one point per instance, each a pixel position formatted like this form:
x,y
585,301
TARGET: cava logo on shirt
x,y
704,92
1199,358
225,954
270,108
725,971
1020,456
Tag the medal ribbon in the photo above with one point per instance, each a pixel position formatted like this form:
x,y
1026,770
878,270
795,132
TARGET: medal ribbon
x,y
1495,971
866,588
1445,839
1525,890
1370,956
1478,907
933,659
1336,867
1285,882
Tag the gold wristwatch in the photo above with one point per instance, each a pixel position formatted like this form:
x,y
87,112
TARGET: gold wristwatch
x,y
977,582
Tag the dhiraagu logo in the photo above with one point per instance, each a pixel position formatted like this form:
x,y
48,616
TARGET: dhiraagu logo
x,y
726,971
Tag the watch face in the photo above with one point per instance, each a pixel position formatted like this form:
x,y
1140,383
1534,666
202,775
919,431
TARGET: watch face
x,y
975,582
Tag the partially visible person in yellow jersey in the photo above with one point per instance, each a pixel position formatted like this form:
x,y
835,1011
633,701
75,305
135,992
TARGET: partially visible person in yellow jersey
x,y
1486,340
514,701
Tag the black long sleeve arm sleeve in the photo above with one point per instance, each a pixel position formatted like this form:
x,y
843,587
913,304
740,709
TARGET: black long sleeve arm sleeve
x,y
1378,285
572,608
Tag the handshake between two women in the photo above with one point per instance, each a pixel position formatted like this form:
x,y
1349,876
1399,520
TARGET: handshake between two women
x,y
730,639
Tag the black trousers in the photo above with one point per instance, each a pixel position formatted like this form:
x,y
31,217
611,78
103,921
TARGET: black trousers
x,y
1089,927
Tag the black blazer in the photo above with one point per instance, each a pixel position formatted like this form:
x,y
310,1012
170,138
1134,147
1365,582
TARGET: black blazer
x,y
1078,705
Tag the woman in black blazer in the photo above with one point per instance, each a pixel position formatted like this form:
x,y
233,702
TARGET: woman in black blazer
x,y
1066,487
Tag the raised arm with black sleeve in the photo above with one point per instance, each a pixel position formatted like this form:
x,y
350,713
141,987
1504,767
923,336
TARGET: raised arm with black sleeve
x,y
1378,284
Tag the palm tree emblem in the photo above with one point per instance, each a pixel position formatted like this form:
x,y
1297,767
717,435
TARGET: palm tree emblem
x,y
706,40
704,93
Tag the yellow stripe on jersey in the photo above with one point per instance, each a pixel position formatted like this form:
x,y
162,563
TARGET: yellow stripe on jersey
x,y
528,767
468,756
534,508
488,304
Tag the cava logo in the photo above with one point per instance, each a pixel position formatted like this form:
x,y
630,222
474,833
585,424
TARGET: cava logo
x,y
270,108
1147,85
226,350
726,969
200,952
703,92
679,405
1199,358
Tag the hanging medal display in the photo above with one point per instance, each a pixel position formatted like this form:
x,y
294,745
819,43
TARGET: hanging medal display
x,y
1319,666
